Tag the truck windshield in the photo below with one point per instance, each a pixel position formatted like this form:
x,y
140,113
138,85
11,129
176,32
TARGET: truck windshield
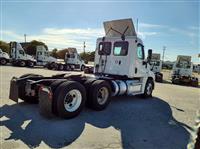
x,y
155,63
104,48
183,65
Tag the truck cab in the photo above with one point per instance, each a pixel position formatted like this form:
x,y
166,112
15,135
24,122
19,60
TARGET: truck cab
x,y
156,66
182,71
4,57
43,57
121,54
19,56
73,59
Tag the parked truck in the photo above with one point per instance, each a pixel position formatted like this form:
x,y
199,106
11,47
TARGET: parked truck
x,y
120,69
19,56
73,60
4,57
182,71
156,67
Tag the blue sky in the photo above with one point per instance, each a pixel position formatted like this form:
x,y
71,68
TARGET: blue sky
x,y
174,24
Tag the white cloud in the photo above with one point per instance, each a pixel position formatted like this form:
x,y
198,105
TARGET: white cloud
x,y
184,32
147,25
61,38
143,35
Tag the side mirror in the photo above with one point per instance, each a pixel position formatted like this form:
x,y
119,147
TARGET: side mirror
x,y
149,55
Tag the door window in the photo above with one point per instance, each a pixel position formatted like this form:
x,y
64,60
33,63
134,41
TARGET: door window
x,y
104,48
140,51
21,52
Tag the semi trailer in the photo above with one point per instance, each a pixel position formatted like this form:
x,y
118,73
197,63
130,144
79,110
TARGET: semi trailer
x,y
182,71
120,68
4,57
156,66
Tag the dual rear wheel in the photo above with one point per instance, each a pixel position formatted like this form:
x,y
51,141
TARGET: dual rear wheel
x,y
70,97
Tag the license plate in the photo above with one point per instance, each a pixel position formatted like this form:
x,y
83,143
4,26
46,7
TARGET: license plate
x,y
13,90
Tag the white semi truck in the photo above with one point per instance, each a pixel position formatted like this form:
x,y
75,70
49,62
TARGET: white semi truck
x,y
120,69
4,57
73,59
19,56
43,58
156,66
182,71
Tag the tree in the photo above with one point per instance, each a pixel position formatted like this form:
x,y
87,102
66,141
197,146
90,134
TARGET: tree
x,y
87,56
30,48
54,53
5,46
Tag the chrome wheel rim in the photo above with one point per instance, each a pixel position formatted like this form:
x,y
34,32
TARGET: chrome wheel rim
x,y
102,95
72,100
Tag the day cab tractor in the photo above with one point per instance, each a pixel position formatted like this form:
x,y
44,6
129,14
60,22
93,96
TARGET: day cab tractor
x,y
156,66
19,56
44,59
73,60
182,71
120,69
4,57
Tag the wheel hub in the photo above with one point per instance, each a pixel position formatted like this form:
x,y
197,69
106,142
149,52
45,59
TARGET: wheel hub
x,y
102,95
72,100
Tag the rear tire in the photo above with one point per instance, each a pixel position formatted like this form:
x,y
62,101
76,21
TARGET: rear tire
x,y
53,87
148,89
176,81
194,83
30,64
61,67
71,99
99,95
22,63
3,61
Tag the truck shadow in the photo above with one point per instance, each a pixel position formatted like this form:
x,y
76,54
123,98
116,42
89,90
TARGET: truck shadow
x,y
141,123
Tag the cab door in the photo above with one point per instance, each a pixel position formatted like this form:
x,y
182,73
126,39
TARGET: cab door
x,y
141,67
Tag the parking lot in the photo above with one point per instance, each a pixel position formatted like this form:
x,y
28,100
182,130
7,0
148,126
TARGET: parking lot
x,y
164,121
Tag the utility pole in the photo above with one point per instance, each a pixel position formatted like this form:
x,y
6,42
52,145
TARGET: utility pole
x,y
163,56
84,47
25,38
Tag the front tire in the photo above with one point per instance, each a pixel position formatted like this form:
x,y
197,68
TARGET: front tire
x,y
82,68
99,95
71,99
3,61
148,89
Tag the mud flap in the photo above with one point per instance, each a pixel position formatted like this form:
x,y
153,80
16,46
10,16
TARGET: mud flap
x,y
13,95
45,102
